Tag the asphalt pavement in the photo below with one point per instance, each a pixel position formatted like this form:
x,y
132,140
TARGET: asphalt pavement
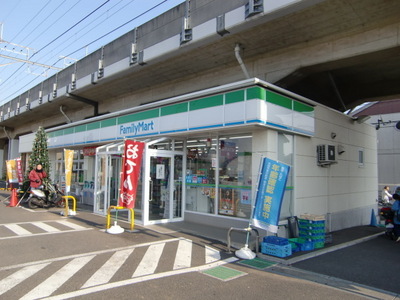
x,y
360,261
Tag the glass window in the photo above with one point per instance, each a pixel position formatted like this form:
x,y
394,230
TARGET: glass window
x,y
200,175
285,155
234,189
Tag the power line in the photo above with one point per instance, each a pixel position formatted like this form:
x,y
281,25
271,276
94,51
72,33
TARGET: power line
x,y
2,83
86,45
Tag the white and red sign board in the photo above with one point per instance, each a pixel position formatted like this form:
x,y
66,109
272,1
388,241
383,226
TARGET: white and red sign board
x,y
130,173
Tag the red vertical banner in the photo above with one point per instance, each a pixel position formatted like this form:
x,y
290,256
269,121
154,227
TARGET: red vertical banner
x,y
133,152
19,171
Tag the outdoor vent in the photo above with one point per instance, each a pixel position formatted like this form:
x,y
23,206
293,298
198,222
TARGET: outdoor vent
x,y
54,94
73,82
186,34
134,55
326,154
40,97
100,72
253,7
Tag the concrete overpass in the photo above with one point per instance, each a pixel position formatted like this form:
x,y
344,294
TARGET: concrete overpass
x,y
340,53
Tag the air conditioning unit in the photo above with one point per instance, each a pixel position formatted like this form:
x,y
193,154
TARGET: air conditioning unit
x,y
326,154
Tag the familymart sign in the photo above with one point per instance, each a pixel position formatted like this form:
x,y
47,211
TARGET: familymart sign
x,y
247,106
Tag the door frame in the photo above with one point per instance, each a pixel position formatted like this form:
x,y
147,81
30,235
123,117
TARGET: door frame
x,y
146,183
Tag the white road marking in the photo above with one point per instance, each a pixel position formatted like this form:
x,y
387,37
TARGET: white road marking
x,y
107,271
100,280
86,254
140,279
51,284
149,262
183,258
22,232
19,276
71,225
212,255
17,229
45,227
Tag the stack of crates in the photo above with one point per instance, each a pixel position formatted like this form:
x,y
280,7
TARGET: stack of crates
x,y
276,246
312,229
300,244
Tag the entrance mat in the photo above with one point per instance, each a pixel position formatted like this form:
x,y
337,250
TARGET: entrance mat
x,y
257,263
224,273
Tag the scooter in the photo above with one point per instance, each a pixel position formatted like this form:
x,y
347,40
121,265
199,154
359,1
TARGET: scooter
x,y
45,196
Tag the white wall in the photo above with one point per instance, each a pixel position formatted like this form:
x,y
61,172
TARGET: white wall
x,y
346,191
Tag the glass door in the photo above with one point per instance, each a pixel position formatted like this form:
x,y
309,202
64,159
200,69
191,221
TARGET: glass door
x,y
160,181
165,186
108,168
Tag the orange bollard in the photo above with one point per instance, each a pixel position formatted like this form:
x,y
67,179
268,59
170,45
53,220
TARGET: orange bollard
x,y
14,198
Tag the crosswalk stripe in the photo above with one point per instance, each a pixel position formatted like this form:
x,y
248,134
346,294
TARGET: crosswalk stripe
x,y
122,283
17,229
107,271
150,260
19,276
212,254
71,225
183,256
45,227
51,284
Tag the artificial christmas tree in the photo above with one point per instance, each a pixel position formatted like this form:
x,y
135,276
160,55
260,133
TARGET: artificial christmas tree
x,y
40,153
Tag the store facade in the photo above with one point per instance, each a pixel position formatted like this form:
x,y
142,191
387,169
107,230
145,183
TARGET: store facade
x,y
202,153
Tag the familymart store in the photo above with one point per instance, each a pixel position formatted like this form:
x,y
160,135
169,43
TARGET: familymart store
x,y
202,151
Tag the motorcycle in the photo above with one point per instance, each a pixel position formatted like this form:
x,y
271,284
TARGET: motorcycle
x,y
45,196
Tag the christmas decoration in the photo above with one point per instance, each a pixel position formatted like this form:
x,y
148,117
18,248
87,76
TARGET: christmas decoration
x,y
40,153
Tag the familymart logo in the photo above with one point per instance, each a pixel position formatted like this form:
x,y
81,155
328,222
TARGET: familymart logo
x,y
137,128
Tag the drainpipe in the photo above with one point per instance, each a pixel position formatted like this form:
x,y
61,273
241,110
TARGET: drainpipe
x,y
241,63
68,119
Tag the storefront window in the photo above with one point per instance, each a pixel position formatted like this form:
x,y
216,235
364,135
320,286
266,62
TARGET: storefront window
x,y
200,175
82,179
235,160
285,155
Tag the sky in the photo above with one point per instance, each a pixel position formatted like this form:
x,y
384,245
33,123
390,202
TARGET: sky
x,y
55,33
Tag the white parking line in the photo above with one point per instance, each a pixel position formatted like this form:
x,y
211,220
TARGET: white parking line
x,y
212,255
149,262
107,271
45,227
19,276
140,279
183,256
51,284
17,229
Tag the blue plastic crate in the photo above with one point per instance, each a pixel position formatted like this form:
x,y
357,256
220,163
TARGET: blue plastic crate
x,y
311,223
319,244
276,240
276,250
313,232
302,244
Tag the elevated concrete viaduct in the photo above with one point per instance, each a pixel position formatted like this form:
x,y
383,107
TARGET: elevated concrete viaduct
x,y
340,53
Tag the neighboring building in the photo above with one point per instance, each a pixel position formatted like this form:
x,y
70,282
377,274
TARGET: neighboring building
x,y
204,126
385,117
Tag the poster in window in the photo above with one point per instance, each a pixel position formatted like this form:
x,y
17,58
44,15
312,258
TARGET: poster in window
x,y
227,202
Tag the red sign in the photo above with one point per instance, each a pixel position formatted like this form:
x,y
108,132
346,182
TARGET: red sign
x,y
89,151
130,173
19,171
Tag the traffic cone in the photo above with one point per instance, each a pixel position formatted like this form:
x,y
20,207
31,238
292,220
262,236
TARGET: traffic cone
x,y
14,198
373,219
